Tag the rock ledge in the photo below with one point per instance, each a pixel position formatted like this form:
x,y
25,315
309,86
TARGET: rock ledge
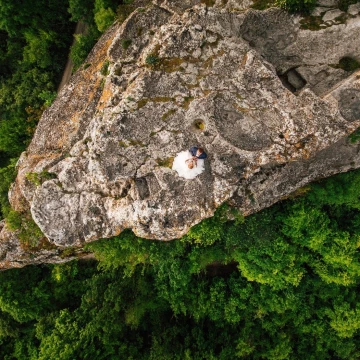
x,y
274,110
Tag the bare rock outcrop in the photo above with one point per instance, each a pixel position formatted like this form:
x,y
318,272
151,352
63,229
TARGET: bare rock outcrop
x,y
258,92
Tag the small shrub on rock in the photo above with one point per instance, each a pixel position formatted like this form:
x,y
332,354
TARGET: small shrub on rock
x,y
105,68
38,178
126,43
151,60
297,6
348,64
104,18
344,4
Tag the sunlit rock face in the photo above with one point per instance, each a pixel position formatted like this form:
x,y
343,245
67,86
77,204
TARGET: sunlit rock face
x,y
261,95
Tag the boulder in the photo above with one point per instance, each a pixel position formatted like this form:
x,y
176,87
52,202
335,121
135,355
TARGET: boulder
x,y
332,15
111,135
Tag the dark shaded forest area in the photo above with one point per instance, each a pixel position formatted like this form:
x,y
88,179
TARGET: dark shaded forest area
x,y
279,284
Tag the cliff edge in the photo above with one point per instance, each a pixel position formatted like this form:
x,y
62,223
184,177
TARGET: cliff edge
x,y
263,95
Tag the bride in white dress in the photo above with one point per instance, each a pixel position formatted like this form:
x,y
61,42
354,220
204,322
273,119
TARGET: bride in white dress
x,y
186,166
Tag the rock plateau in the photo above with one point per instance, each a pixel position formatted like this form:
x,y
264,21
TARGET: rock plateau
x,y
258,91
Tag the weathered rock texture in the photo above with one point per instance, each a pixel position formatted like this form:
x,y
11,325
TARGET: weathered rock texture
x,y
274,116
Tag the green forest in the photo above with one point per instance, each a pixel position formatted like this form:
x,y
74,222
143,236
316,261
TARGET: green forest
x,y
280,284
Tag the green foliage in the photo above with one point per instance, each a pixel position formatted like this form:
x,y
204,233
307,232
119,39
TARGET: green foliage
x,y
82,46
337,257
297,6
79,10
31,14
38,178
28,232
14,220
263,4
355,136
338,190
209,230
285,277
208,2
344,4
152,60
98,15
23,294
48,97
348,64
104,71
37,50
104,18
7,176
344,319
126,250
14,135
125,44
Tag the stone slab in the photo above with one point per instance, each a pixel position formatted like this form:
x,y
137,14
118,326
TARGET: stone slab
x,y
354,9
332,15
318,11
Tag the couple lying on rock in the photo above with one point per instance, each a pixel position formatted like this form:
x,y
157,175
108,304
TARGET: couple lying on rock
x,y
190,163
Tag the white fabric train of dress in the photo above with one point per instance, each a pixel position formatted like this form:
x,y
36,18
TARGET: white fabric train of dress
x,y
181,166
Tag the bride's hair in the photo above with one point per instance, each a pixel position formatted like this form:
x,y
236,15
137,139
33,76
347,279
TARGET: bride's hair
x,y
190,163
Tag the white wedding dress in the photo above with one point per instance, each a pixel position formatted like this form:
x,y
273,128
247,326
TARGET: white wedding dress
x,y
181,166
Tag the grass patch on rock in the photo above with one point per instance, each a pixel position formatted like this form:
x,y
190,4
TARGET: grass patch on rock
x,y
355,136
348,64
167,114
168,162
125,44
171,65
133,142
38,178
208,3
123,144
105,68
311,23
28,233
263,4
304,7
187,102
141,103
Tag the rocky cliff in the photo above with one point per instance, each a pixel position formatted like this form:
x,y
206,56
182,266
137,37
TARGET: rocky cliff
x,y
260,91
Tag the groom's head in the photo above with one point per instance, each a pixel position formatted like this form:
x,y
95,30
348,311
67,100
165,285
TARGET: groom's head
x,y
199,151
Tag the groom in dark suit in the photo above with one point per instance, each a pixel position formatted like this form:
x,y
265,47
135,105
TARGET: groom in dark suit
x,y
198,153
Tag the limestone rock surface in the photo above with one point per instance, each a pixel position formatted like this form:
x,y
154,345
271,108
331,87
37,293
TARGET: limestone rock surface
x,y
255,90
